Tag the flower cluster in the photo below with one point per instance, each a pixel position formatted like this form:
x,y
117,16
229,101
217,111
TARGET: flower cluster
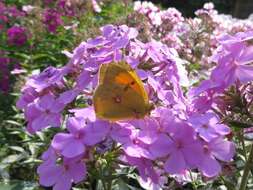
x,y
160,19
182,133
16,36
52,15
8,17
52,19
194,38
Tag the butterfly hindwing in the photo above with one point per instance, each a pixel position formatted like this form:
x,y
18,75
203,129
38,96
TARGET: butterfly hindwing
x,y
114,102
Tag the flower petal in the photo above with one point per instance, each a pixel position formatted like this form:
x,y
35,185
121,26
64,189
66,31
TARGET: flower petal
x,y
175,163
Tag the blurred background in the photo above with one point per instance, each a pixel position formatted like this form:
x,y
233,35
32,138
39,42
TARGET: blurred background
x,y
237,8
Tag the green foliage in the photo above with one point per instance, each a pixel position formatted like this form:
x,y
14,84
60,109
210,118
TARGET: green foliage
x,y
18,185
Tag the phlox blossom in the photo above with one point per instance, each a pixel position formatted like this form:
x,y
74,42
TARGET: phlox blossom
x,y
61,176
44,112
81,135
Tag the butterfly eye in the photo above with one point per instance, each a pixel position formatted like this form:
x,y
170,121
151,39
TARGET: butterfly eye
x,y
132,83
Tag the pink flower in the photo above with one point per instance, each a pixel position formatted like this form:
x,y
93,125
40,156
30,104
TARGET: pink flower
x,y
16,36
52,20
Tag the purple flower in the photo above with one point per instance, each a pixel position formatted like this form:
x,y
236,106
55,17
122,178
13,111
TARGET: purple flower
x,y
100,50
84,79
145,168
202,103
68,96
216,149
52,20
66,7
234,58
208,126
87,113
50,77
49,155
16,35
12,11
61,176
149,183
133,144
121,132
28,96
81,135
182,148
234,66
43,112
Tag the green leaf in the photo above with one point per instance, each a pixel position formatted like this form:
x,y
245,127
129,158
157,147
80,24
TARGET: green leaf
x,y
22,55
17,148
12,158
13,123
31,160
120,185
240,125
43,56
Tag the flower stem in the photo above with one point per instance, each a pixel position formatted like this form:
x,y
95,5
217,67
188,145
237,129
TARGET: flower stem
x,y
246,171
241,139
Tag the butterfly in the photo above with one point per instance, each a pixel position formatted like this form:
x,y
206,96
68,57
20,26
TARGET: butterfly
x,y
120,93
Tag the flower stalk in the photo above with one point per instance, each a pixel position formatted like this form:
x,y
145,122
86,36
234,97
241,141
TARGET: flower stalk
x,y
246,171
